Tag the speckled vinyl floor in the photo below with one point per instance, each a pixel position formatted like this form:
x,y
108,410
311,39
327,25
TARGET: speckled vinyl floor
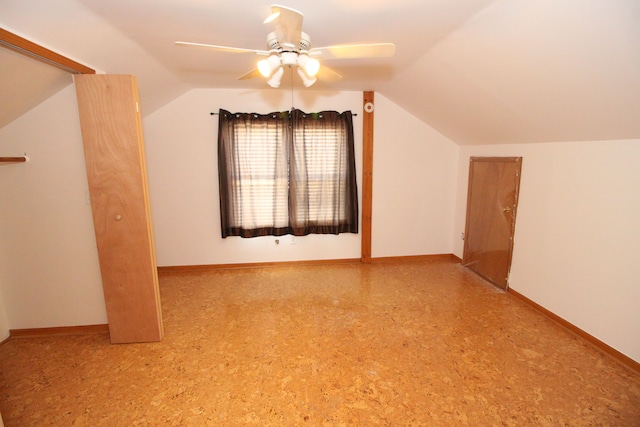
x,y
407,344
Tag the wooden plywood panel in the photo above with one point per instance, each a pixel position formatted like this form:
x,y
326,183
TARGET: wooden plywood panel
x,y
114,154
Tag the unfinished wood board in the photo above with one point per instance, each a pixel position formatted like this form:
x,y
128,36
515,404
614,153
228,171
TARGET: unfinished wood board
x,y
114,155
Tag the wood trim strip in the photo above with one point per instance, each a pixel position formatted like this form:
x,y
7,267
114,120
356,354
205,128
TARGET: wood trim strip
x,y
367,175
59,330
345,261
604,348
415,258
12,159
495,159
208,267
29,48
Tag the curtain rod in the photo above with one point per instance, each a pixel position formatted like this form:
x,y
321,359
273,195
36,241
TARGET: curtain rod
x,y
215,114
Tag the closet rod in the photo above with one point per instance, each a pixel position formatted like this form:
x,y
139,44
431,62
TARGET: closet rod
x,y
13,159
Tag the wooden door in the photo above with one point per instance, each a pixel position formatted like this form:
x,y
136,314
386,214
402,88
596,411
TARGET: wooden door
x,y
114,154
492,201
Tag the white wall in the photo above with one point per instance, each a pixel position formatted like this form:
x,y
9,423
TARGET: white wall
x,y
181,153
181,144
414,185
577,236
49,271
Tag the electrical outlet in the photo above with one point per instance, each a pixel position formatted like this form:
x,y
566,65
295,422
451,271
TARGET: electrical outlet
x,y
277,242
293,240
461,236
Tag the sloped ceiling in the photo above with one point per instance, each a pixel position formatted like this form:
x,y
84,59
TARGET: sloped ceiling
x,y
25,83
478,71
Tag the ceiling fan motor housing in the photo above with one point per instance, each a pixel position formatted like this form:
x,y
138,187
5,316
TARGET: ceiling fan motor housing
x,y
289,58
272,41
305,41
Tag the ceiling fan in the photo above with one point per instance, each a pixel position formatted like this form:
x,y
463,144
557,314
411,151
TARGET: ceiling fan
x,y
290,47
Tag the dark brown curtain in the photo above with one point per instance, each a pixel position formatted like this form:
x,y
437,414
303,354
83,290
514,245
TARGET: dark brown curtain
x,y
323,196
287,173
253,174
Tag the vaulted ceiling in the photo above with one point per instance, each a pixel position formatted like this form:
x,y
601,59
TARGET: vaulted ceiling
x,y
478,71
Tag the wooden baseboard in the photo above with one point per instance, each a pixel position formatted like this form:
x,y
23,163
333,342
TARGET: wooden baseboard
x,y
350,261
60,330
414,258
605,348
206,267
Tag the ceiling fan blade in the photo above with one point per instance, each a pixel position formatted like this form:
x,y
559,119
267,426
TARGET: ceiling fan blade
x,y
327,74
250,75
370,50
223,48
288,25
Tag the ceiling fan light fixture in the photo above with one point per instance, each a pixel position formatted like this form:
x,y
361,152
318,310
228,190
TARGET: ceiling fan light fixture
x,y
274,81
311,66
268,65
306,80
264,68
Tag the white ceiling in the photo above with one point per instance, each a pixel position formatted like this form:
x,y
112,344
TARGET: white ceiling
x,y
478,71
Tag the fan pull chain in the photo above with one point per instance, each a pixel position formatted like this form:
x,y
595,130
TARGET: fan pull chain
x,y
291,73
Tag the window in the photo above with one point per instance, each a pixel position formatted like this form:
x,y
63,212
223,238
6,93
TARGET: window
x,y
287,173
